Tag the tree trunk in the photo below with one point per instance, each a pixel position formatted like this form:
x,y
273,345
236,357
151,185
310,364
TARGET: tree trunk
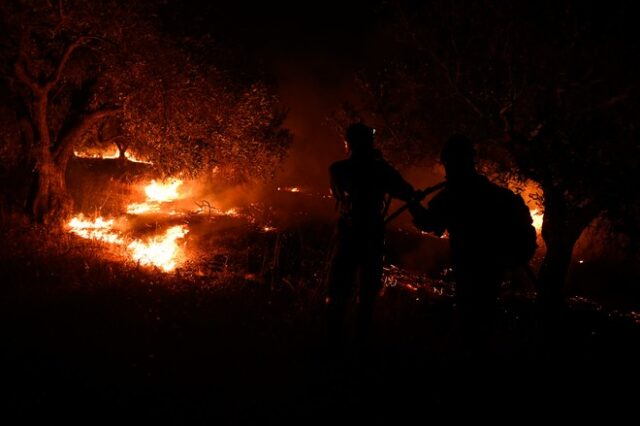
x,y
563,224
49,199
553,271
122,149
51,202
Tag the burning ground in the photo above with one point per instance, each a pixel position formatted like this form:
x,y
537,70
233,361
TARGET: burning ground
x,y
177,302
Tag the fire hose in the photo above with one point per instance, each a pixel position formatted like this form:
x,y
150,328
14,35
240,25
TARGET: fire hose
x,y
419,196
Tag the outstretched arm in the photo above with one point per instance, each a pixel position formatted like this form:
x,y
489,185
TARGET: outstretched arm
x,y
398,187
429,220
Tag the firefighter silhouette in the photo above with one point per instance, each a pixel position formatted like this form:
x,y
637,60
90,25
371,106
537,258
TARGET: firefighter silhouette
x,y
490,230
362,185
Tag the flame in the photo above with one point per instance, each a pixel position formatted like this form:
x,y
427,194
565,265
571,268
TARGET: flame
x,y
98,229
163,192
531,192
160,251
537,219
112,152
132,157
108,153
157,193
230,212
140,208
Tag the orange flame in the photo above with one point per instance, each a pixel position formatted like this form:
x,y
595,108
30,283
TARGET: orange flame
x,y
163,192
132,157
157,193
160,251
105,153
98,229
537,219
140,208
108,153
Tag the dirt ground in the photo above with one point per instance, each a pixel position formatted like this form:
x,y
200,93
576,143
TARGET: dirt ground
x,y
89,339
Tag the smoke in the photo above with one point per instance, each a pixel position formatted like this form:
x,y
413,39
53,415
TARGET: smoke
x,y
312,89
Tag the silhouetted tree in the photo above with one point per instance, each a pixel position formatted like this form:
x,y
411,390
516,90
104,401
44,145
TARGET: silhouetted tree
x,y
549,89
70,66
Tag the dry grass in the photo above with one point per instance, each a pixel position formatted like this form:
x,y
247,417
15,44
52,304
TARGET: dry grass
x,y
237,335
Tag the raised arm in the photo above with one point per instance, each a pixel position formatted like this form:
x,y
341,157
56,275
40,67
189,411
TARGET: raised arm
x,y
397,186
432,219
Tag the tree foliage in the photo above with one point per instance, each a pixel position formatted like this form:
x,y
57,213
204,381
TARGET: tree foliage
x,y
73,68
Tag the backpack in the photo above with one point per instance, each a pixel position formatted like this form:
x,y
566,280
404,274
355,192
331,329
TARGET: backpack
x,y
515,234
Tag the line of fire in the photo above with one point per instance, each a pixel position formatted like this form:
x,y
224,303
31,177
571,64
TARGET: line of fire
x,y
174,227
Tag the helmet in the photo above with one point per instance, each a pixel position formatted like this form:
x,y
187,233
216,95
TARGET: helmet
x,y
458,150
359,137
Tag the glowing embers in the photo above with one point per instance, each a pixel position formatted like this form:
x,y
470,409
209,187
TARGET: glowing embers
x,y
229,212
133,158
161,251
290,189
108,153
98,229
105,153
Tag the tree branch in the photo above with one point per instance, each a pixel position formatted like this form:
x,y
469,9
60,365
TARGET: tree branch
x,y
25,77
63,61
453,83
84,125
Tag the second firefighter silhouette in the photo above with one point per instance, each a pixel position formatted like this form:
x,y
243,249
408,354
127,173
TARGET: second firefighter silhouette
x,y
362,186
490,231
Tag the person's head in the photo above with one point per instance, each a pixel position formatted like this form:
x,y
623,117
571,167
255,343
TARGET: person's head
x,y
458,157
359,138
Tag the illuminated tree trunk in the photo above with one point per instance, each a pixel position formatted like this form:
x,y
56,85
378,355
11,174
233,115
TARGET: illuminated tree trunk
x,y
48,200
122,149
51,202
